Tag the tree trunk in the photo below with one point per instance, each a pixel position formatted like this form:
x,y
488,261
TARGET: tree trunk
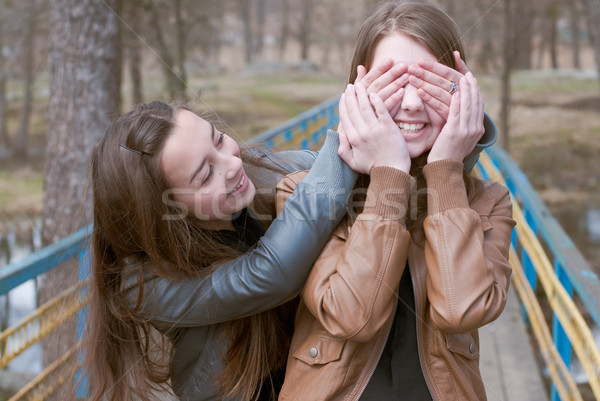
x,y
260,31
216,32
284,33
248,39
592,13
4,141
180,26
507,62
28,77
553,13
168,66
84,94
575,40
134,56
524,31
305,28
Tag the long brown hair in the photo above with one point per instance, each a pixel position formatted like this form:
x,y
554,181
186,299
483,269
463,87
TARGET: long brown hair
x,y
433,29
128,184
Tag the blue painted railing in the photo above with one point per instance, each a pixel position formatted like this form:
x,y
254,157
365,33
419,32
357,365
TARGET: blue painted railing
x,y
44,260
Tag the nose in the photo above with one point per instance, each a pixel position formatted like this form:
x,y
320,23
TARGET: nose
x,y
232,164
411,100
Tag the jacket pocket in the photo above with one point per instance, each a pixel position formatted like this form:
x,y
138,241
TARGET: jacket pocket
x,y
462,344
319,349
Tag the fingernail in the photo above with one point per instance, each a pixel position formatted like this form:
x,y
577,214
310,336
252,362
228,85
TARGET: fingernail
x,y
359,85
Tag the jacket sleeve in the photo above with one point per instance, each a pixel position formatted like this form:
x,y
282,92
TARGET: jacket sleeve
x,y
466,253
352,287
272,272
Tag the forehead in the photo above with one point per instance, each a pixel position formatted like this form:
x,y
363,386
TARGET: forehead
x,y
400,48
188,143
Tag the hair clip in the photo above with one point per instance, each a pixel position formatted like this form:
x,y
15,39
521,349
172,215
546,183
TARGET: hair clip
x,y
132,150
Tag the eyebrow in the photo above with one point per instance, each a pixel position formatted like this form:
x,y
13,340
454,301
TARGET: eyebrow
x,y
203,160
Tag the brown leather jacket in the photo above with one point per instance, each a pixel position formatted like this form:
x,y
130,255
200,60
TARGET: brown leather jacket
x,y
460,279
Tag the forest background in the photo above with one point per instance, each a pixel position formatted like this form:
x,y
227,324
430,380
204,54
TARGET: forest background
x,y
67,67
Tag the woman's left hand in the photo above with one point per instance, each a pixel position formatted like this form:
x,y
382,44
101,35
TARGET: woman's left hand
x,y
464,127
434,82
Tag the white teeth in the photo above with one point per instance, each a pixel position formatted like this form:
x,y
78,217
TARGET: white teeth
x,y
411,127
238,185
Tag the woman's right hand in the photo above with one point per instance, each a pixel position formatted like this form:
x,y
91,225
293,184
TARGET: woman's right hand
x,y
369,136
385,79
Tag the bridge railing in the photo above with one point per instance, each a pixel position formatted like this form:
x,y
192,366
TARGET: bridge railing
x,y
542,254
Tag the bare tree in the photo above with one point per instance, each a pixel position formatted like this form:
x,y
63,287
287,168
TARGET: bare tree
x,y
284,32
575,27
248,37
28,77
553,13
507,65
132,45
260,26
523,25
176,86
592,13
305,28
4,141
180,28
84,94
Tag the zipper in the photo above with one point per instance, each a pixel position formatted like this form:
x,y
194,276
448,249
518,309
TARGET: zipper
x,y
413,275
364,386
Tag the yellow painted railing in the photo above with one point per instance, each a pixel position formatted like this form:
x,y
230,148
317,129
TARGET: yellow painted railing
x,y
44,320
560,301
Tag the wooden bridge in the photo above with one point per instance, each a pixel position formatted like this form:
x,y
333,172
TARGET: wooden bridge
x,y
547,269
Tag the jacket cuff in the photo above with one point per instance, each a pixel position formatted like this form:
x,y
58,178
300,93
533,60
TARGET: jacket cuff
x,y
445,186
388,193
488,139
330,174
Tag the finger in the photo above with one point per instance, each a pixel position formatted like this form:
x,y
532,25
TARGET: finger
x,y
438,106
351,115
343,115
455,108
390,88
461,66
366,109
345,150
441,94
361,71
434,72
465,103
394,102
389,82
381,111
477,102
376,72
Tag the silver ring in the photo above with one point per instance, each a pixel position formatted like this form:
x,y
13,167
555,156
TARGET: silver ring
x,y
454,87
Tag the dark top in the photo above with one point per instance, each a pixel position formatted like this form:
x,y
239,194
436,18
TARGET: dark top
x,y
398,375
248,231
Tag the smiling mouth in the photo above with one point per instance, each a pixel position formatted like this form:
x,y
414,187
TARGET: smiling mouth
x,y
238,186
406,127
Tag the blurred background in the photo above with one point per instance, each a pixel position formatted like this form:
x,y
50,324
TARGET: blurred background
x,y
67,67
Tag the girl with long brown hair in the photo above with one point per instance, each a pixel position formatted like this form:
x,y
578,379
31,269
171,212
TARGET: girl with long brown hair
x,y
391,308
180,245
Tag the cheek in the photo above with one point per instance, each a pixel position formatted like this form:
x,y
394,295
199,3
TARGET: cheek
x,y
437,121
201,204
